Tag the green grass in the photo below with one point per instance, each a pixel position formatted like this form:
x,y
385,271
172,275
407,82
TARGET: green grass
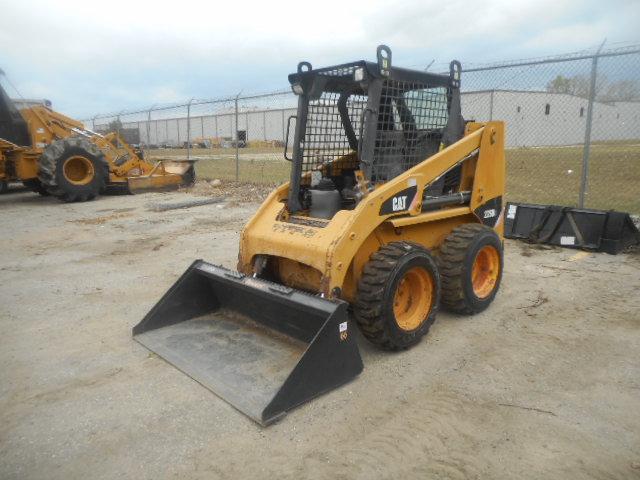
x,y
256,165
214,152
250,170
541,175
535,175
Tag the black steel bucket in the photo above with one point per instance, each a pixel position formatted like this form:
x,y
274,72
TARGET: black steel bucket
x,y
262,347
599,230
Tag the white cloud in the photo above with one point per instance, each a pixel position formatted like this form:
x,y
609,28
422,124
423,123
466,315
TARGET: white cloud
x,y
131,53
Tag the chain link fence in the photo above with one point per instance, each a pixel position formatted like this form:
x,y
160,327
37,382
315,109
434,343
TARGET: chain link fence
x,y
572,122
573,126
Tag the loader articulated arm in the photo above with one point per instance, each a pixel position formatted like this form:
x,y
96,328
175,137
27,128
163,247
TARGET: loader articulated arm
x,y
122,156
56,125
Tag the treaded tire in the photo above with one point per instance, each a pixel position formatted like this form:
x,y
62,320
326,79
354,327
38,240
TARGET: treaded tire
x,y
456,259
34,185
51,174
374,305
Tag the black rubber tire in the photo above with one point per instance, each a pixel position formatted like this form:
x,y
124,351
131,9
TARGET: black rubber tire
x,y
455,260
34,185
373,308
51,175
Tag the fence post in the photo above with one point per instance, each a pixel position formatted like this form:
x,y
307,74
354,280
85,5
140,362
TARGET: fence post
x,y
189,129
584,180
246,125
149,127
237,141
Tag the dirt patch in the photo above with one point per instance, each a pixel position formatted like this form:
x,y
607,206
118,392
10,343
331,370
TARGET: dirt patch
x,y
116,210
102,219
237,192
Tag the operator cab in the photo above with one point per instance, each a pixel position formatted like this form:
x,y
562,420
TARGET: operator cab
x,y
361,124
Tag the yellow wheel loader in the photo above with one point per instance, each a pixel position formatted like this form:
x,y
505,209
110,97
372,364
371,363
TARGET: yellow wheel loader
x,y
53,154
393,210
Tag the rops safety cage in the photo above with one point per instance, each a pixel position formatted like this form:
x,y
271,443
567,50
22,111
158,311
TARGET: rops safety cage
x,y
372,117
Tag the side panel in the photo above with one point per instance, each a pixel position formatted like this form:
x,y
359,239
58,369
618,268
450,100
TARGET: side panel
x,y
26,164
429,234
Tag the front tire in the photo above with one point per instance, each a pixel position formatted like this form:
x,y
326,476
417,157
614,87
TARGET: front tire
x,y
398,295
73,170
471,262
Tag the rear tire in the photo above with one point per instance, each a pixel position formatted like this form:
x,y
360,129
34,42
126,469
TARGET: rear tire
x,y
35,186
73,170
397,298
470,261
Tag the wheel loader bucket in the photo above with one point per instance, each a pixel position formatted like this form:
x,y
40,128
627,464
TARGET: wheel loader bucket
x,y
166,175
262,347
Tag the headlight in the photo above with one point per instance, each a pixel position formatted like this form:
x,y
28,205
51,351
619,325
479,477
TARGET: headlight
x,y
297,89
358,74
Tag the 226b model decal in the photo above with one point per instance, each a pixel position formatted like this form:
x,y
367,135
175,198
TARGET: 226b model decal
x,y
489,212
400,202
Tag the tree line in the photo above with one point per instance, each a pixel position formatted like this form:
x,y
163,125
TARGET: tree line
x,y
605,90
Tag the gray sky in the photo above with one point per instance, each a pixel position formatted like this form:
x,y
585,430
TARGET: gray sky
x,y
92,58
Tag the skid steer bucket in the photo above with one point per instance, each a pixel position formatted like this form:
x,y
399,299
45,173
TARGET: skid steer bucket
x,y
262,347
166,175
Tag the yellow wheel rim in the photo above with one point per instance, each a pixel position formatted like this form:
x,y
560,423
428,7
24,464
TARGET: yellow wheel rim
x,y
485,272
78,170
413,298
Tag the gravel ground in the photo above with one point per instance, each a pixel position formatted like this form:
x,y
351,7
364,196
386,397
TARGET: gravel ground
x,y
545,384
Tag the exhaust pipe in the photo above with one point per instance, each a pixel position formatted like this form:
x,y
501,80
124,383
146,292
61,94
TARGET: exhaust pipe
x,y
262,347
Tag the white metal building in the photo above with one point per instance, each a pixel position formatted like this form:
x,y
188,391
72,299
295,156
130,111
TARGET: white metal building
x,y
543,118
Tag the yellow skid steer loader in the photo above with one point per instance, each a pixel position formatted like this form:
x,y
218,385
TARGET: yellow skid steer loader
x,y
393,209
